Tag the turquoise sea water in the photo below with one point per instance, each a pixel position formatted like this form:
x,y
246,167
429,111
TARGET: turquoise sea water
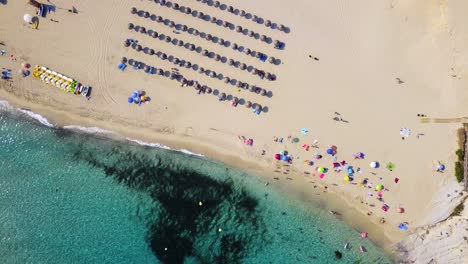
x,y
69,197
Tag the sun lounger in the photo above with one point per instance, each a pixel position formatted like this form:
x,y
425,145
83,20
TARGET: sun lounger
x,y
40,12
132,40
122,66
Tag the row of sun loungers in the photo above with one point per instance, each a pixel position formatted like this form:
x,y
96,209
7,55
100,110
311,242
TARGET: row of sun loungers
x,y
237,64
60,81
207,36
201,89
201,70
214,20
243,14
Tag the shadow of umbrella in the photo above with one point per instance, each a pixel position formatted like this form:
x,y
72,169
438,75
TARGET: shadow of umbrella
x,y
131,26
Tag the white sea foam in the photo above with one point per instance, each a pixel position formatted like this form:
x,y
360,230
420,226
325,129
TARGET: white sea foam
x,y
5,106
37,117
154,145
188,152
90,130
161,146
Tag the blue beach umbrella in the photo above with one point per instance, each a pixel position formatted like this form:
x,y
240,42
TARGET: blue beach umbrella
x,y
135,95
330,151
130,100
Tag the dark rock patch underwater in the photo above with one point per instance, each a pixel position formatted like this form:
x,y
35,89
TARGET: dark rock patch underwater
x,y
226,228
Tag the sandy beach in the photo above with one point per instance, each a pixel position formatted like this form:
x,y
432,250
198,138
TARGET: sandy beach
x,y
380,65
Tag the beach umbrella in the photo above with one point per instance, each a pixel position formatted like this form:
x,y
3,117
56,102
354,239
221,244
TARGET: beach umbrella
x,y
227,79
133,10
363,234
170,58
258,107
160,72
239,29
127,43
271,60
234,46
248,104
205,52
263,92
379,187
130,100
247,51
282,27
209,37
226,24
217,57
159,19
188,10
168,39
201,70
267,23
216,4
213,20
147,68
150,32
390,166
201,15
153,17
212,74
138,48
235,99
239,84
222,96
346,178
202,35
169,4
187,64
243,66
131,62
151,52
405,132
146,14
176,6
130,26
142,30
171,24
245,86
250,33
27,18
231,62
219,22
167,22
124,60
230,9
374,164
240,48
208,90
163,56
254,18
174,41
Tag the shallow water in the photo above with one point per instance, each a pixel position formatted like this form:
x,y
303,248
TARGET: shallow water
x,y
68,197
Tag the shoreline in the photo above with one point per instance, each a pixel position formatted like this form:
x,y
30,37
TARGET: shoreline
x,y
327,201
383,66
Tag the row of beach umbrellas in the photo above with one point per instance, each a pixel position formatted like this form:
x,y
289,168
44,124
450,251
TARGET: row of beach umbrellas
x,y
245,14
200,50
138,65
214,20
197,68
210,37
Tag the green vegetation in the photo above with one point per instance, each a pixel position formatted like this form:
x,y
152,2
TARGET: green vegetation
x,y
460,154
459,209
459,171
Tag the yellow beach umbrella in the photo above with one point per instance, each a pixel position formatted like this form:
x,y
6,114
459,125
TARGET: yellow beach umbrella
x,y
346,178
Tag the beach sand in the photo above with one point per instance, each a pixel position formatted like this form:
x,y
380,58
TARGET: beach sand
x,y
380,65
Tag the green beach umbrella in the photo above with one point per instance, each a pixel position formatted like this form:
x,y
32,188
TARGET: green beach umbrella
x,y
379,187
390,166
321,170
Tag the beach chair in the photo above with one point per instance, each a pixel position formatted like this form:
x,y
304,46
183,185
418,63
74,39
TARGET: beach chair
x,y
122,66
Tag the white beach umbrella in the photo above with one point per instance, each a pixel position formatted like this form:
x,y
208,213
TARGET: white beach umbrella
x,y
405,132
373,164
27,18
